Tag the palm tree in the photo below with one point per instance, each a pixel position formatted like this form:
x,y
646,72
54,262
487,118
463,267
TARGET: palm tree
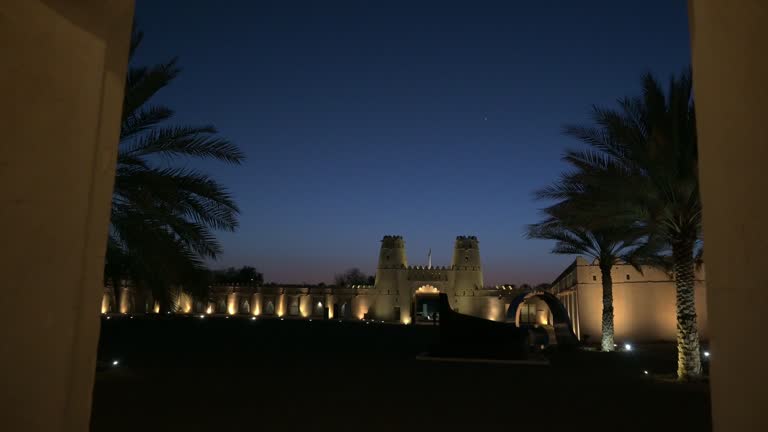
x,y
607,245
641,169
163,217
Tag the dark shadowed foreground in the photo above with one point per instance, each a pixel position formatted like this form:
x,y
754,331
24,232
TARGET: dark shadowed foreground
x,y
220,374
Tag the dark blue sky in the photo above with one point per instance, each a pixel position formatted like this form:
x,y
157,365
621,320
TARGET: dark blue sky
x,y
425,119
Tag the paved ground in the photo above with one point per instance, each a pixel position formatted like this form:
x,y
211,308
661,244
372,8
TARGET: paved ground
x,y
236,374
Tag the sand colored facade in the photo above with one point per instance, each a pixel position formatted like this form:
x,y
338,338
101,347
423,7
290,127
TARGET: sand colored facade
x,y
644,302
392,298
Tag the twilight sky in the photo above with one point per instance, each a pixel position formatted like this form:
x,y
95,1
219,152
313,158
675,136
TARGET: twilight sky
x,y
428,119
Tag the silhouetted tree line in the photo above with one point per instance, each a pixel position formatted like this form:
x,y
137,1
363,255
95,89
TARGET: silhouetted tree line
x,y
242,275
353,276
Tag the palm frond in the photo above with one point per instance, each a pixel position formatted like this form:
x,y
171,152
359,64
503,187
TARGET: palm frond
x,y
198,142
143,119
144,82
163,219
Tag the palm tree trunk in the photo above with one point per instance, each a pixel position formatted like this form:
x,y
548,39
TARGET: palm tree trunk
x,y
606,344
688,353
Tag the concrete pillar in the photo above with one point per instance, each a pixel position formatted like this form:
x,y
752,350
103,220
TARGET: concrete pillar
x,y
62,81
730,42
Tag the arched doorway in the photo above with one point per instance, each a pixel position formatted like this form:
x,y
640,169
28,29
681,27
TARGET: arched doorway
x,y
343,310
426,304
542,310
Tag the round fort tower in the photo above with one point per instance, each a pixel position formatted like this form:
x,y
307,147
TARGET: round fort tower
x,y
468,274
389,273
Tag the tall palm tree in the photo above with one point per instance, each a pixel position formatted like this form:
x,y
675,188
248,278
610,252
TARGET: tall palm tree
x,y
163,217
641,169
607,245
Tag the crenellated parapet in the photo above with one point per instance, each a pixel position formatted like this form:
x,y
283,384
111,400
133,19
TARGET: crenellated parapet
x,y
468,238
393,241
420,273
392,253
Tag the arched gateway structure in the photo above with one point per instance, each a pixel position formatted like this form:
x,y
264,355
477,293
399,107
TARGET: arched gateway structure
x,y
555,322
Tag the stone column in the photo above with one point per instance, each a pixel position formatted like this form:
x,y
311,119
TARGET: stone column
x,y
62,82
730,68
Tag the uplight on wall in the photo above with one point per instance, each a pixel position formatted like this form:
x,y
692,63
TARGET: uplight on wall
x,y
104,303
232,304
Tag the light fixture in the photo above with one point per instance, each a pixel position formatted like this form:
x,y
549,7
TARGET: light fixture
x,y
645,372
115,362
627,347
253,318
706,353
281,319
108,317
202,316
310,320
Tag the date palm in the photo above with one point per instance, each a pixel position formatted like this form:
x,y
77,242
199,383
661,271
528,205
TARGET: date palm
x,y
640,169
607,245
163,217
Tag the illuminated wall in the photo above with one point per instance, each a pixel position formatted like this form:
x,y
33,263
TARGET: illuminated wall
x,y
329,303
256,304
105,303
280,306
232,303
185,303
360,306
305,306
491,308
125,300
644,303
